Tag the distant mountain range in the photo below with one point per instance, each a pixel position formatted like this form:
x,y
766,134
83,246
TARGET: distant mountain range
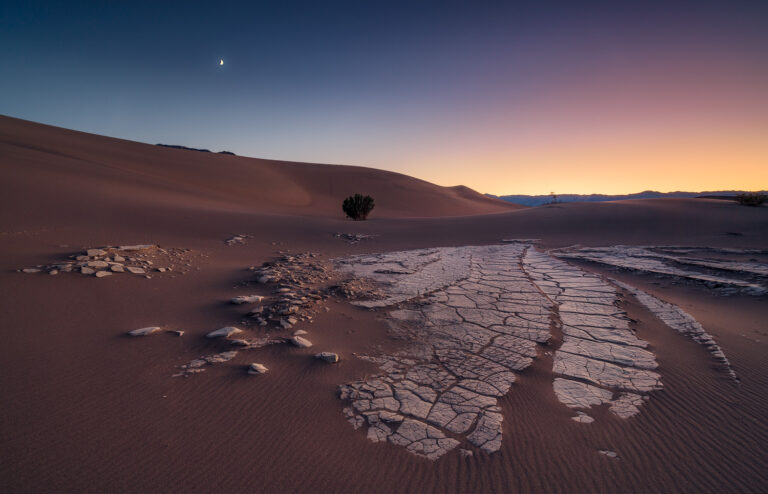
x,y
648,194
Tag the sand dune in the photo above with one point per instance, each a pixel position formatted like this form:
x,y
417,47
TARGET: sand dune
x,y
87,408
42,160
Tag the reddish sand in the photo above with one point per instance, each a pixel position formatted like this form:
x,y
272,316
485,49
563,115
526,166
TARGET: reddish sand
x,y
87,409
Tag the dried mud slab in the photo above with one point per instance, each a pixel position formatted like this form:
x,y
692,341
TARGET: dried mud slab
x,y
474,317
727,270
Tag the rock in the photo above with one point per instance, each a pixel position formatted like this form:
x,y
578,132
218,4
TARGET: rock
x,y
285,324
30,270
101,274
135,270
247,299
224,332
178,332
609,454
98,264
583,418
162,270
465,453
132,248
299,332
301,342
329,357
95,252
86,270
117,268
256,369
145,331
240,343
53,272
118,259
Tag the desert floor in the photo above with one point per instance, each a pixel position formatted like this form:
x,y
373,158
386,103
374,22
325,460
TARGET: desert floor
x,y
86,408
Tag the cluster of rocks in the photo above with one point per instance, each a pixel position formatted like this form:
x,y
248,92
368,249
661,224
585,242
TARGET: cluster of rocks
x,y
132,259
298,291
240,239
354,238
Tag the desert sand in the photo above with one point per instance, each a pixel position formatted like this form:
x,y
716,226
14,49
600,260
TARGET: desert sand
x,y
86,407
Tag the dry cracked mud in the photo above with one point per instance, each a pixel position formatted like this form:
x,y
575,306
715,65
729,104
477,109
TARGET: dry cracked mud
x,y
472,318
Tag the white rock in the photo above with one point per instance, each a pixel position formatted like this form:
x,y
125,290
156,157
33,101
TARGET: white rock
x,y
224,332
301,342
247,299
329,357
256,369
145,331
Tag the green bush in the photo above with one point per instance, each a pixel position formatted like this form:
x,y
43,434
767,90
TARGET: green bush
x,y
751,198
358,207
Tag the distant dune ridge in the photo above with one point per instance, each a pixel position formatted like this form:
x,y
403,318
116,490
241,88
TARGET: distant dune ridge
x,y
41,160
526,200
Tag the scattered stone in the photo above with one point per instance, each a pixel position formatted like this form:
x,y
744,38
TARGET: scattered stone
x,y
95,252
86,270
609,454
299,332
301,342
117,268
329,357
247,299
145,331
583,418
101,274
135,270
256,369
224,332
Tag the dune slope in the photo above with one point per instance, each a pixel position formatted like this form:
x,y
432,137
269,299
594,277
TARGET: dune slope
x,y
38,160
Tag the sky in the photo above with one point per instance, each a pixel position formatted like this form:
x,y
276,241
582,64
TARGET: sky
x,y
504,97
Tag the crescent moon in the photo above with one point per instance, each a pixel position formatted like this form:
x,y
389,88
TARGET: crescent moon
x,y
221,62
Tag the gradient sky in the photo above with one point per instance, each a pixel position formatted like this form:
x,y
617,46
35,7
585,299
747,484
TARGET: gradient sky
x,y
505,97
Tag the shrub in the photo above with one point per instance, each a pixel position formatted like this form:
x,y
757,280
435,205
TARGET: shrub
x,y
357,207
751,198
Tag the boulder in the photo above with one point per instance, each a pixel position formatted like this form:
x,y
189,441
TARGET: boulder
x,y
301,342
247,299
224,332
145,331
256,369
329,357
